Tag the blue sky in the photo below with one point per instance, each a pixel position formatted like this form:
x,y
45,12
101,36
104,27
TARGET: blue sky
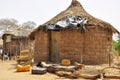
x,y
41,11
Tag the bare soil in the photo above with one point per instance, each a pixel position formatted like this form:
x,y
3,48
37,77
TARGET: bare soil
x,y
8,72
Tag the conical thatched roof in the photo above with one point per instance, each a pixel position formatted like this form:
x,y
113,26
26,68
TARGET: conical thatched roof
x,y
76,9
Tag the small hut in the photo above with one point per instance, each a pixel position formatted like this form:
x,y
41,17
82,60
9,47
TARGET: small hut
x,y
14,41
76,35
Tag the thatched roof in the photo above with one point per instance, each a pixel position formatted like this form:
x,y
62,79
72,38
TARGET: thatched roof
x,y
76,9
18,33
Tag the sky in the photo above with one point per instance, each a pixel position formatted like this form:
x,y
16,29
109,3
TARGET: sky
x,y
40,11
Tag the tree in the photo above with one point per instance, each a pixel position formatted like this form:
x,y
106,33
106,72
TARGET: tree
x,y
116,45
8,24
29,25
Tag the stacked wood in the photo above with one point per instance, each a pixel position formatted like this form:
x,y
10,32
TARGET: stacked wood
x,y
25,58
110,76
43,64
64,74
72,71
77,74
102,71
51,69
79,66
74,75
54,67
24,52
66,68
85,76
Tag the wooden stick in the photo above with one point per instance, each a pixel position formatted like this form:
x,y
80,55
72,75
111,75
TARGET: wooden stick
x,y
112,77
109,67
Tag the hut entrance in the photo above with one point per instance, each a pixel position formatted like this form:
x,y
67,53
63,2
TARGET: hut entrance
x,y
54,46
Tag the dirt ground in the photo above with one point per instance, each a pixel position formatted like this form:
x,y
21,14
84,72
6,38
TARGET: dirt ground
x,y
8,72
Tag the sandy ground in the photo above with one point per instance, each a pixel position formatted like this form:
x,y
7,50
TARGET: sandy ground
x,y
8,72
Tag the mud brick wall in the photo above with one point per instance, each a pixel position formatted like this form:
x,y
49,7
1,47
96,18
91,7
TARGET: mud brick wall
x,y
71,46
10,46
14,46
41,49
98,46
95,45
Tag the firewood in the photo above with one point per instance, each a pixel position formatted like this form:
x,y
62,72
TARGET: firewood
x,y
85,76
112,76
75,76
51,69
43,64
89,76
63,74
109,67
65,68
79,66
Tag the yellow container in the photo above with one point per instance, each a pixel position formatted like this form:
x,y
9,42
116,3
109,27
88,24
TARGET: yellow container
x,y
23,68
66,62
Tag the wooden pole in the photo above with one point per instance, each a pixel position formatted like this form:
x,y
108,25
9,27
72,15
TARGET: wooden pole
x,y
109,59
83,48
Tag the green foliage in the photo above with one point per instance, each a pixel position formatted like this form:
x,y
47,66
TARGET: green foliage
x,y
116,45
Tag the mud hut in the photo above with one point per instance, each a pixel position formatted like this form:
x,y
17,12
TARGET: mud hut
x,y
76,35
14,41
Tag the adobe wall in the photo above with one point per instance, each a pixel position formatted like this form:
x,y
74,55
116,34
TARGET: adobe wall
x,y
41,48
14,46
10,46
98,46
71,46
94,46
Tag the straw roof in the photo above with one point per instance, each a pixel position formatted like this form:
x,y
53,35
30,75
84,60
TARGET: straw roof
x,y
76,9
18,33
